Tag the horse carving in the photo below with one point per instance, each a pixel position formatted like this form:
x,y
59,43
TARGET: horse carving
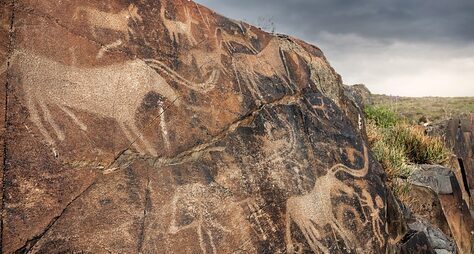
x,y
114,91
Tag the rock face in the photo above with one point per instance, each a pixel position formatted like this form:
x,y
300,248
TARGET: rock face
x,y
359,93
459,134
436,197
162,127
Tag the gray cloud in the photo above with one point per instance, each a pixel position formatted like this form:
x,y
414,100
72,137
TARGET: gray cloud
x,y
422,43
401,19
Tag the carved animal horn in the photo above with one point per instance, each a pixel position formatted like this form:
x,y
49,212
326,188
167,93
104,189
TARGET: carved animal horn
x,y
354,172
198,87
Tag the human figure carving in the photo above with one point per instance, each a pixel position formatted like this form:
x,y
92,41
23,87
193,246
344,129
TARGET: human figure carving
x,y
118,22
313,211
114,91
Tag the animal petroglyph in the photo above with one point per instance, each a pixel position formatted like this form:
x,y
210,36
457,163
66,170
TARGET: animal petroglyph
x,y
314,211
177,28
249,67
261,222
322,108
118,22
114,91
227,40
199,203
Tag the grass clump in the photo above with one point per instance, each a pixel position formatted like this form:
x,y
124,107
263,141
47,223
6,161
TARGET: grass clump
x,y
419,147
398,145
381,116
390,154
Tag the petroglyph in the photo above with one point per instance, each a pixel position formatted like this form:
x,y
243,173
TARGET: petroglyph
x,y
199,204
264,63
203,87
114,91
177,28
118,22
164,128
323,108
261,222
374,207
107,47
227,39
314,210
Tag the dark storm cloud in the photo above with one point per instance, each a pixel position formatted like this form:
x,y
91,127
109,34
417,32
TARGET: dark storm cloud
x,y
418,20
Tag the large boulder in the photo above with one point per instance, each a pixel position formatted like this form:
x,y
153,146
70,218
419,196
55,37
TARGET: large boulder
x,y
163,127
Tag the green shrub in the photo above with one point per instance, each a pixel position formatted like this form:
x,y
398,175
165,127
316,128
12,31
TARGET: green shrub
x,y
398,145
381,116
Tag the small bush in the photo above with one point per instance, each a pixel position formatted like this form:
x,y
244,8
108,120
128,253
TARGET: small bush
x,y
381,116
419,147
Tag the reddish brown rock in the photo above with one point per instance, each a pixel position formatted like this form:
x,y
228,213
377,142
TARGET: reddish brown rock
x,y
162,127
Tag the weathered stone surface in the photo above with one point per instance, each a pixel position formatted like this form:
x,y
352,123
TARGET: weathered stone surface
x,y
415,242
440,243
359,93
458,134
435,177
439,201
5,47
397,216
162,127
461,222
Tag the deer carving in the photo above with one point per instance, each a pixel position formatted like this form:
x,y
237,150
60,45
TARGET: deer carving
x,y
314,210
114,91
176,28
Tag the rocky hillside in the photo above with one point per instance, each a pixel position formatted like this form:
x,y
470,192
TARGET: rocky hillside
x,y
163,127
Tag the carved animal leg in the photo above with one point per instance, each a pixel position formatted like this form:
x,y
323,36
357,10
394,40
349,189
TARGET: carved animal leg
x,y
164,129
339,230
35,118
289,241
74,118
201,239
130,137
376,221
48,117
312,236
211,241
137,132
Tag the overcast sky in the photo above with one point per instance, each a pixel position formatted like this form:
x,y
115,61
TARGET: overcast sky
x,y
397,47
